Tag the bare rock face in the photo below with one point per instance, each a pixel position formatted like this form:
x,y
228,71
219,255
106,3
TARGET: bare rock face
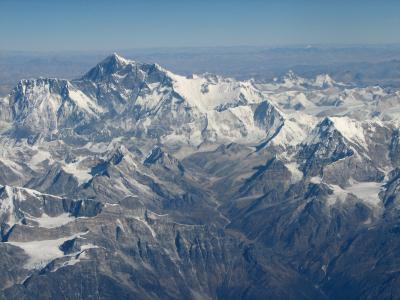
x,y
136,183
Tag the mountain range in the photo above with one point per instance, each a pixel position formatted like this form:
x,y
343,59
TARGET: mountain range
x,y
133,182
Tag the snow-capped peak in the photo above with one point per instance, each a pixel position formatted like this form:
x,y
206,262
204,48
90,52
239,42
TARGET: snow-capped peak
x,y
349,129
110,65
290,75
119,59
115,60
324,81
290,79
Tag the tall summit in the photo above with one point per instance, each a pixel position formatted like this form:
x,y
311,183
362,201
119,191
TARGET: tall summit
x,y
110,65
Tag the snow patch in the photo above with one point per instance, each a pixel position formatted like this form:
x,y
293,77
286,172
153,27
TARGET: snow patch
x,y
80,173
40,156
47,221
316,180
42,252
84,102
297,175
365,191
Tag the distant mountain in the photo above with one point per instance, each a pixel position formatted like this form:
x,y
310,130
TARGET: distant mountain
x,y
133,182
362,65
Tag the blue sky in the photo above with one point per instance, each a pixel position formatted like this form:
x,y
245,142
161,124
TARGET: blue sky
x,y
121,24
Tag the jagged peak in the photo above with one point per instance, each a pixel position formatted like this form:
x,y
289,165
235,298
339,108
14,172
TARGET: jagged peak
x,y
291,75
24,86
324,80
349,129
322,130
115,56
108,66
326,125
41,81
158,157
116,60
291,78
115,63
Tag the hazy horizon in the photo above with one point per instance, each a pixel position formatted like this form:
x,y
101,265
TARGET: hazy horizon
x,y
48,26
